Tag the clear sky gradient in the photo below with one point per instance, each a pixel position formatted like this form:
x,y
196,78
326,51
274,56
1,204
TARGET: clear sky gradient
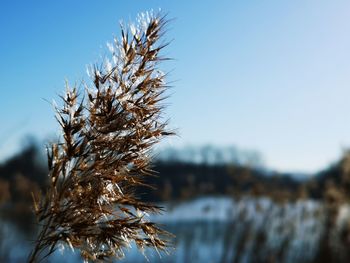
x,y
273,76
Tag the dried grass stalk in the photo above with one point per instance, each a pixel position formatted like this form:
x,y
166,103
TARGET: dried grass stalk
x,y
105,153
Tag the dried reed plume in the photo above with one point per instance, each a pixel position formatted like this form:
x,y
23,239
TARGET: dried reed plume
x,y
105,153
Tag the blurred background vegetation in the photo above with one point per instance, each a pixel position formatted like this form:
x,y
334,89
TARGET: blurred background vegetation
x,y
224,192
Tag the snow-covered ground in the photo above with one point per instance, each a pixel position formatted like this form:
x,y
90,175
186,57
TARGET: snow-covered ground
x,y
247,230
218,229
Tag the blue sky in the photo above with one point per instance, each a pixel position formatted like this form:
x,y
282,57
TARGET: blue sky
x,y
273,76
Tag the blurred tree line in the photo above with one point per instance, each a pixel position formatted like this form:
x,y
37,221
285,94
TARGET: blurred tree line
x,y
177,180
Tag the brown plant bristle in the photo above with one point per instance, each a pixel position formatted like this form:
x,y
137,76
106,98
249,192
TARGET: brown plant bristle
x,y
104,154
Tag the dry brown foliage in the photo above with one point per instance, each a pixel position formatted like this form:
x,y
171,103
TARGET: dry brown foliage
x,y
5,194
105,153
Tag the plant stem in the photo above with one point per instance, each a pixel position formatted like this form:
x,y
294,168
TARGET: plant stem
x,y
38,247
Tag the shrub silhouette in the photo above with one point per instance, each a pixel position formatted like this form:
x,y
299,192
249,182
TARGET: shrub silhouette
x,y
108,133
